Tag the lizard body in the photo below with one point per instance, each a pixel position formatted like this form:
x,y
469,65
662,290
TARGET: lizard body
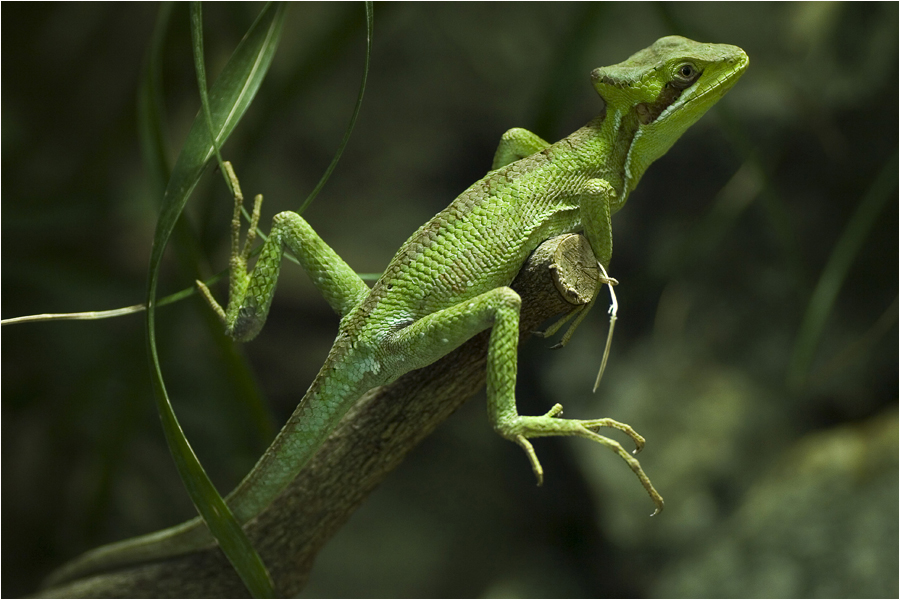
x,y
450,279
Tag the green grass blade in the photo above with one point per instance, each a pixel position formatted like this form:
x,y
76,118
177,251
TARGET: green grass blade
x,y
229,99
835,272
200,68
151,109
359,98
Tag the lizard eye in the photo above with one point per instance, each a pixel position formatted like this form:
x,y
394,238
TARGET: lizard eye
x,y
685,75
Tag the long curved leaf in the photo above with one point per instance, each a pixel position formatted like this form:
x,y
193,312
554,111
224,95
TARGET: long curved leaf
x,y
370,17
229,97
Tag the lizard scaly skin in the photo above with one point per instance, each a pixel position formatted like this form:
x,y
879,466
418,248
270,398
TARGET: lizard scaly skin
x,y
450,279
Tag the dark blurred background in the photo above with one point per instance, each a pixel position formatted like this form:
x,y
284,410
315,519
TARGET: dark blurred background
x,y
775,444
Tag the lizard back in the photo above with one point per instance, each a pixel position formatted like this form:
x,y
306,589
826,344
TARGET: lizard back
x,y
482,239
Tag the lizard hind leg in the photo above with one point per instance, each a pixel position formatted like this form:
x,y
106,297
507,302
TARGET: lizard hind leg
x,y
434,335
501,383
501,378
251,290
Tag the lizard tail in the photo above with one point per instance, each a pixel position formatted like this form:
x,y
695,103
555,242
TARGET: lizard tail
x,y
188,537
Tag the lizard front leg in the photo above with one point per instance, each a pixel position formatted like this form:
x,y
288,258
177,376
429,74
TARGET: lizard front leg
x,y
434,335
517,143
595,201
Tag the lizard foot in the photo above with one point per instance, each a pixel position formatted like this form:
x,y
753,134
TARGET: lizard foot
x,y
523,428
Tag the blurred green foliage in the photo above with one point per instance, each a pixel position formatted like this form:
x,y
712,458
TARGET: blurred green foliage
x,y
772,489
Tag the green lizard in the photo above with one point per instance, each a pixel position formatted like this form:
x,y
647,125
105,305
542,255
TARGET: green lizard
x,y
450,280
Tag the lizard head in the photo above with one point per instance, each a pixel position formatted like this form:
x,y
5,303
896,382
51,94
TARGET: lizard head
x,y
661,91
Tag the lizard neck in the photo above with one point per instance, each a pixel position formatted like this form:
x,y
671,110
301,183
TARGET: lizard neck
x,y
604,149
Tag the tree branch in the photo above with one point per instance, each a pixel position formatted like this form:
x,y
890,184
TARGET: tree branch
x,y
370,442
